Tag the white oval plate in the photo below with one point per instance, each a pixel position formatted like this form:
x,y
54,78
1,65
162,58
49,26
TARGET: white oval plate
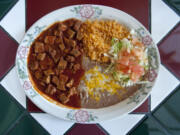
x,y
84,12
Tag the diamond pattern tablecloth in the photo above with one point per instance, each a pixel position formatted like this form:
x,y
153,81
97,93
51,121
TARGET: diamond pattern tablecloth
x,y
20,116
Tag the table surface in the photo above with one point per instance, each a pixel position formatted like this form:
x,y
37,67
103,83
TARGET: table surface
x,y
158,115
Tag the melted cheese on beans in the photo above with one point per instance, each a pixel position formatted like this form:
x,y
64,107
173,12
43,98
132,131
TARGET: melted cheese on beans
x,y
97,82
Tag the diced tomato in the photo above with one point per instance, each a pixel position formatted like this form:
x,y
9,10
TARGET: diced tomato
x,y
138,52
137,69
122,68
124,61
135,77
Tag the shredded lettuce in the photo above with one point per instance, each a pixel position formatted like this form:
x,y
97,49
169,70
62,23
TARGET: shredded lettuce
x,y
116,46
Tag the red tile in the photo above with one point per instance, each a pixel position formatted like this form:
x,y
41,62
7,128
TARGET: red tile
x,y
8,48
31,107
169,49
85,129
143,108
37,9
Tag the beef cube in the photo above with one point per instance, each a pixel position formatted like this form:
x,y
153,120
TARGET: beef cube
x,y
56,32
39,47
34,65
71,65
70,83
55,80
61,46
76,67
56,58
41,56
59,39
62,64
72,91
46,63
77,25
62,82
42,84
75,52
47,79
52,52
69,22
58,71
51,90
79,35
63,78
49,72
70,33
62,27
63,98
70,58
38,74
49,40
66,50
70,42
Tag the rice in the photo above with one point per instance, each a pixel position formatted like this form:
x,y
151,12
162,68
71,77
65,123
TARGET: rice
x,y
97,36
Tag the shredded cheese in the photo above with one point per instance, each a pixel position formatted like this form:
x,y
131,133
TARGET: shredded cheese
x,y
97,82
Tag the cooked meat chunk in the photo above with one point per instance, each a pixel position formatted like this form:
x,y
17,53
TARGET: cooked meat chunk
x,y
63,78
61,46
63,98
70,83
49,40
38,74
62,82
70,58
79,35
76,67
72,91
47,79
56,58
39,47
55,80
46,63
52,52
70,33
70,42
42,84
67,50
58,40
75,52
62,27
58,71
62,63
69,22
56,33
41,56
71,65
77,25
49,72
51,90
34,65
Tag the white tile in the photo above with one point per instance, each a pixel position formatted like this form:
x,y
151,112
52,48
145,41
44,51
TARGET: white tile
x,y
13,86
163,19
14,21
122,125
53,125
166,83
